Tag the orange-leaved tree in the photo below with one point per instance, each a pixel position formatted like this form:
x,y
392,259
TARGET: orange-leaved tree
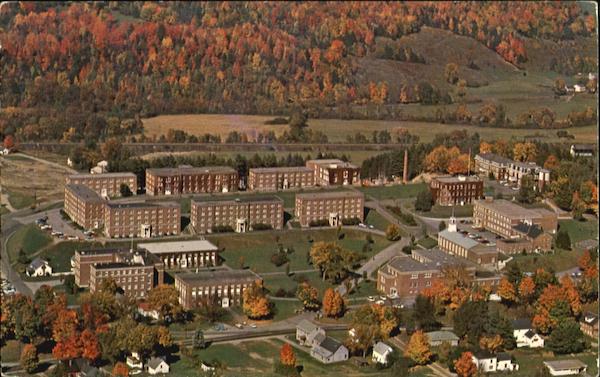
x,y
506,291
287,356
464,365
526,289
120,370
256,305
333,303
418,348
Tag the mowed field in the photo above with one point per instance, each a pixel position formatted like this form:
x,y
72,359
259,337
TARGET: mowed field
x,y
336,129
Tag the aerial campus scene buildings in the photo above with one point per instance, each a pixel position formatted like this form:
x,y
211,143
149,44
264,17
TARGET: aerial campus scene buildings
x,y
299,189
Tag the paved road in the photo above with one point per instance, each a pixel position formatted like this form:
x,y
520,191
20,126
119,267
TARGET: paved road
x,y
9,226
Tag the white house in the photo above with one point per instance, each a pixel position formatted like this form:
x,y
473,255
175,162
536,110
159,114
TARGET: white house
x,y
39,267
566,367
329,351
436,338
487,362
525,335
579,88
381,351
145,311
100,168
157,365
134,361
309,334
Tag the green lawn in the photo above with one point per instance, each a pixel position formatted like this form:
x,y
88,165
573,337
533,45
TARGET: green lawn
x,y
20,200
3,210
530,360
559,261
427,242
580,230
29,238
257,248
444,212
365,289
59,255
375,219
274,282
394,191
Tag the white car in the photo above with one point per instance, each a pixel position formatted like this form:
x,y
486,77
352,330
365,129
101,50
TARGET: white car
x,y
380,302
73,238
253,325
371,298
371,227
362,225
239,325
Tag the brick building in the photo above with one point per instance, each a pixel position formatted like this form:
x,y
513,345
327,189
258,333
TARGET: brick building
x,y
141,219
84,206
448,190
191,180
333,207
273,179
455,243
225,286
529,238
107,184
242,214
184,254
83,260
409,275
501,216
334,172
135,272
486,163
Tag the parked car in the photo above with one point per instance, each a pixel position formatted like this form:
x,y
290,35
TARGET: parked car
x,y
362,225
380,302
239,325
253,325
371,298
73,238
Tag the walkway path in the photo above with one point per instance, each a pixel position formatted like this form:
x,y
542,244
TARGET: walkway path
x,y
65,168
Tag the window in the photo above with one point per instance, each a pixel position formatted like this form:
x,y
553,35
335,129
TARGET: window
x,y
414,276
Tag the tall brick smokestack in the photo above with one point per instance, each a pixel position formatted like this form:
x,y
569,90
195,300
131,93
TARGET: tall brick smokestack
x,y
405,170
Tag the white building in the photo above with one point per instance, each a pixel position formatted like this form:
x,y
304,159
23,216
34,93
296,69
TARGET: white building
x,y
487,362
525,335
579,88
134,361
566,367
39,267
381,351
309,334
158,365
329,351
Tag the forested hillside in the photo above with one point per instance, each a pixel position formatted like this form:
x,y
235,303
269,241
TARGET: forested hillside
x,y
74,70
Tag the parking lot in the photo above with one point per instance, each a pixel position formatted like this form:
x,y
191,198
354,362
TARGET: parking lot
x,y
57,227
508,190
483,236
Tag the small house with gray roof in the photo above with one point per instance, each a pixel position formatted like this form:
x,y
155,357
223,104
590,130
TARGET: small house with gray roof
x,y
525,334
308,333
381,352
436,338
329,350
567,367
39,267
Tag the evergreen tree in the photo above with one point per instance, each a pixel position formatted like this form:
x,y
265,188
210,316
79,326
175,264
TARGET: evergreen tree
x,y
563,240
424,201
566,338
424,314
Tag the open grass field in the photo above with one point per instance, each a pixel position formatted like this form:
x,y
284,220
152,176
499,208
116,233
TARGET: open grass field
x,y
257,248
374,218
530,360
394,191
59,255
560,260
29,238
580,230
336,129
16,180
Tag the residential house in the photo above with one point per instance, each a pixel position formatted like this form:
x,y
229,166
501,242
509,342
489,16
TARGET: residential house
x,y
381,351
39,267
589,324
134,361
308,333
145,311
158,365
436,338
566,367
583,150
525,335
488,362
329,351
80,367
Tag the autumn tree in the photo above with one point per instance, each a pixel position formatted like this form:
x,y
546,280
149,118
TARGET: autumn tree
x,y
89,344
526,152
507,291
287,356
451,73
333,260
371,323
9,142
551,162
333,303
165,300
65,333
256,305
308,296
120,370
418,348
526,289
485,147
491,343
459,165
29,358
577,206
393,233
464,365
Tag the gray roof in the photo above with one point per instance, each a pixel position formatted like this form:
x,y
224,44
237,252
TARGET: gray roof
x,y
494,157
37,263
532,231
104,175
178,246
382,348
458,238
585,147
529,334
220,276
522,324
119,205
426,260
328,346
565,364
441,336
502,356
84,193
281,169
330,195
214,200
331,162
457,179
154,362
512,210
189,170
307,326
